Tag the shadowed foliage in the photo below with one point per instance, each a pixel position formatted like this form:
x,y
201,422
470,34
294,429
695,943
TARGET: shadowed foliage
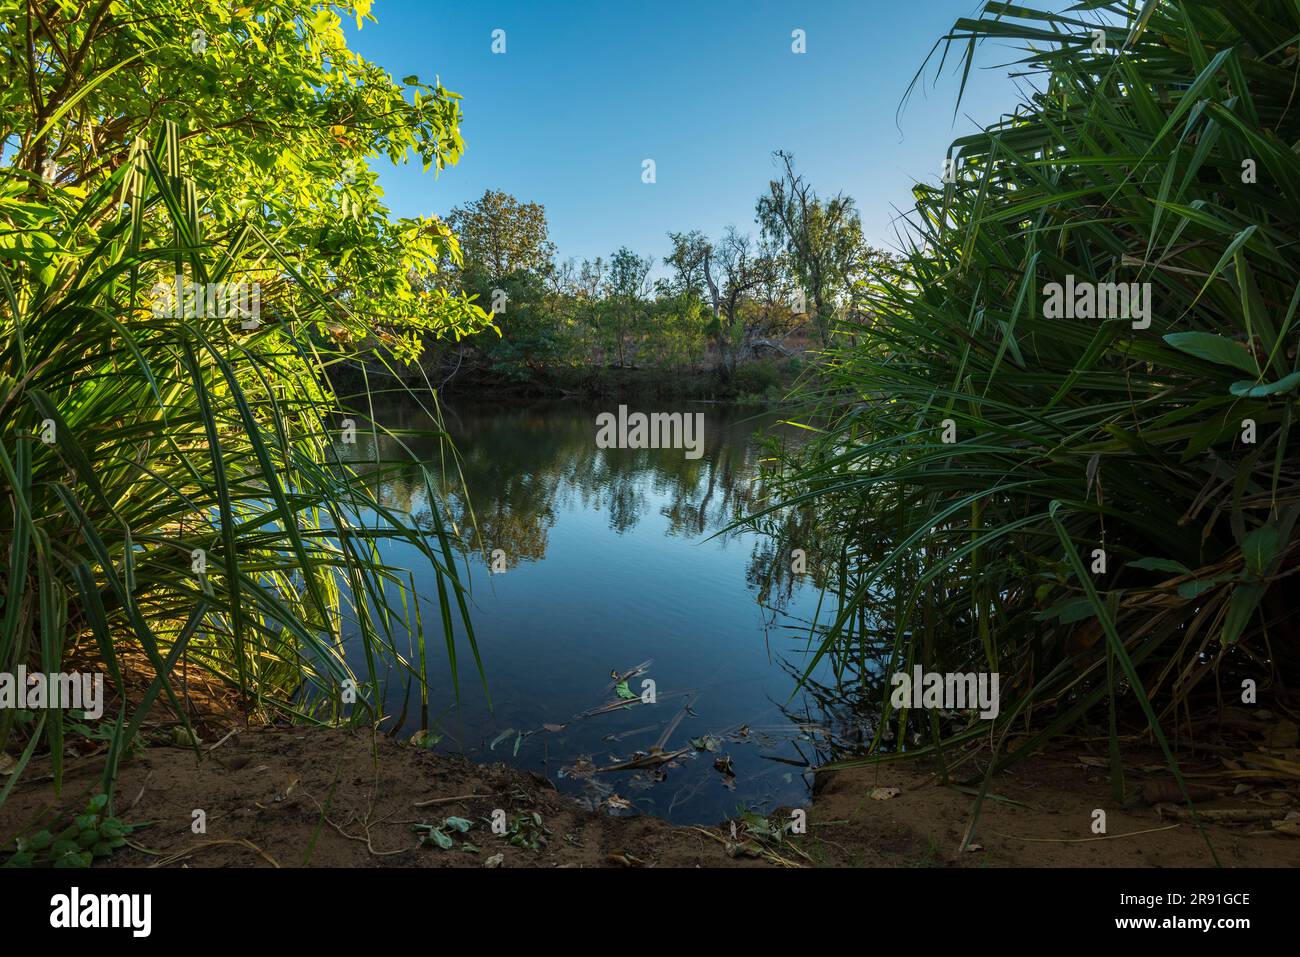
x,y
983,456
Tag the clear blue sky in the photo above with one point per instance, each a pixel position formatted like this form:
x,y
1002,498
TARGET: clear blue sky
x,y
707,89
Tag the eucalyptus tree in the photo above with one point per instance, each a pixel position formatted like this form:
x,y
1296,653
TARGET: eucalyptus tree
x,y
823,237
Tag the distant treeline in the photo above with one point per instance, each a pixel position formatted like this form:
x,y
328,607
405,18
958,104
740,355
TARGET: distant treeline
x,y
734,316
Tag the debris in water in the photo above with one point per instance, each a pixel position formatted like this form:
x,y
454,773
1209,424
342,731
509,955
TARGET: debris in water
x,y
627,734
616,803
647,759
581,768
624,677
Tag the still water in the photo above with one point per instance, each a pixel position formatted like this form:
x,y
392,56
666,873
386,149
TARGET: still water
x,y
612,560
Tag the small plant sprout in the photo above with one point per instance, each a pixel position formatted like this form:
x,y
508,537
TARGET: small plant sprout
x,y
440,835
90,835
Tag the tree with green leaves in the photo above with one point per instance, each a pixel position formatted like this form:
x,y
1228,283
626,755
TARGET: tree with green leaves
x,y
278,122
499,235
729,273
822,236
626,287
506,268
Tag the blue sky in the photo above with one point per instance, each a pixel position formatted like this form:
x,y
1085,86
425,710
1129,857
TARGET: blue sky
x,y
707,89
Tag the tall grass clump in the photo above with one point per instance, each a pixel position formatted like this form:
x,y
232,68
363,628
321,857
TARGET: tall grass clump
x,y
1101,512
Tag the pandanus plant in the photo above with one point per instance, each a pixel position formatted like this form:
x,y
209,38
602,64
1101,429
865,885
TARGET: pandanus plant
x,y
173,491
1103,511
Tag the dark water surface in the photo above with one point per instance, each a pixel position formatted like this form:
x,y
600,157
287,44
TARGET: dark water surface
x,y
610,563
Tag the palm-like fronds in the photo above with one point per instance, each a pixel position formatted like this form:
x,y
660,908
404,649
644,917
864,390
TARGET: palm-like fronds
x,y
172,482
1170,448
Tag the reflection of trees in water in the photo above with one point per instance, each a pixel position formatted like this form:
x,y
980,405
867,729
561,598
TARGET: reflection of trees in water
x,y
845,709
844,695
772,573
727,481
523,466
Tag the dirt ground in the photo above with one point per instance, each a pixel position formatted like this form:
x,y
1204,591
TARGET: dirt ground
x,y
342,798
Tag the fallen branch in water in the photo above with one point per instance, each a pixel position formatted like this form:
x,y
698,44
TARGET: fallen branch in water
x,y
651,759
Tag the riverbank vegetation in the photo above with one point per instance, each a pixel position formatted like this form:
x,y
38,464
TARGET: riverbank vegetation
x,y
735,316
1102,511
190,234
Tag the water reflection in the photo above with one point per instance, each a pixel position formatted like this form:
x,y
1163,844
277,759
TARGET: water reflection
x,y
613,557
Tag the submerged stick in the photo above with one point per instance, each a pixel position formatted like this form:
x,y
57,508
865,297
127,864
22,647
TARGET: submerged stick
x,y
677,719
653,759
